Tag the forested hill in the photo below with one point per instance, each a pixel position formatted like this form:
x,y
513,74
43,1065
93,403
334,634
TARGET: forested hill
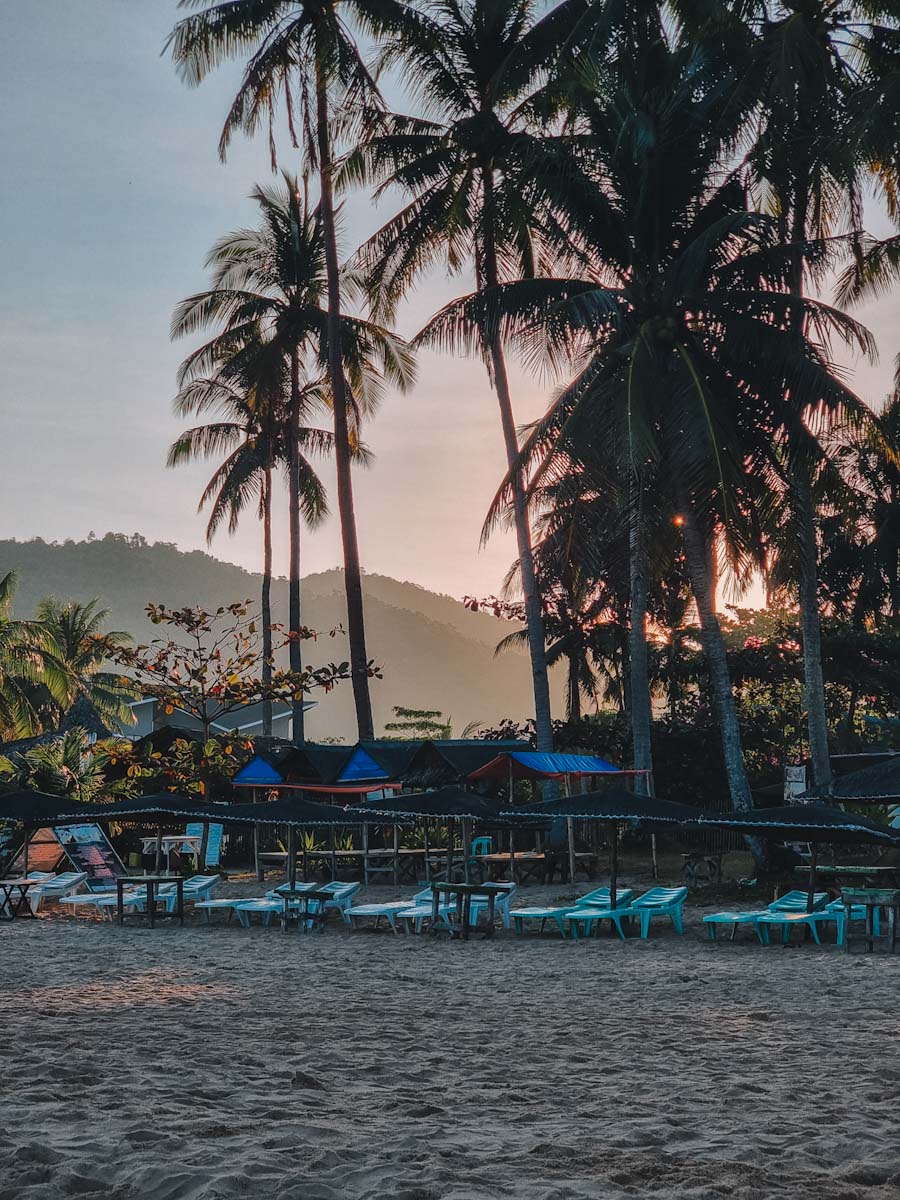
x,y
433,652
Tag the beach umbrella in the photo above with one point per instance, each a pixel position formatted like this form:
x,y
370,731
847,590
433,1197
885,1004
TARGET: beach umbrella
x,y
813,823
615,806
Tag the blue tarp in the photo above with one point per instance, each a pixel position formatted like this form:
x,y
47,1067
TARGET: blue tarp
x,y
361,766
257,773
533,764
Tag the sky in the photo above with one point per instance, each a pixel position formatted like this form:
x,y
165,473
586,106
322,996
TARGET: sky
x,y
111,193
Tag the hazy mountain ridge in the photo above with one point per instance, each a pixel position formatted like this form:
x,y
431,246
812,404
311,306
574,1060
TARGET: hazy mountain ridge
x,y
433,652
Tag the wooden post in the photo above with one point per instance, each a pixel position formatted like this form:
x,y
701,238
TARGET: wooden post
x,y
465,849
450,840
570,831
257,861
292,856
813,863
613,862
651,791
333,857
204,842
396,856
25,851
157,866
425,842
365,840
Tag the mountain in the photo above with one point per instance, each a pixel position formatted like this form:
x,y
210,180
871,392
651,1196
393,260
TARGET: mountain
x,y
433,652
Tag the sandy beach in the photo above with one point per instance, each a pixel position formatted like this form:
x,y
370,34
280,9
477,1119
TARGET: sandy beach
x,y
213,1062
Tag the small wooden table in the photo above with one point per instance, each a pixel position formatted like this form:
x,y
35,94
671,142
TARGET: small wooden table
x,y
303,895
11,908
151,882
464,893
872,899
525,864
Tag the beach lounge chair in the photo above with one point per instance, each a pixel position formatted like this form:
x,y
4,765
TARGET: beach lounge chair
x,y
92,899
823,915
55,888
421,909
137,899
791,902
502,901
198,887
211,906
660,902
597,899
587,914
388,910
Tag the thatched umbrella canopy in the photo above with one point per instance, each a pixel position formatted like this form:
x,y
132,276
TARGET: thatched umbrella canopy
x,y
876,784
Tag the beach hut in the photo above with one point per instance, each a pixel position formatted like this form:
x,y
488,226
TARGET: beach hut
x,y
449,803
614,807
538,765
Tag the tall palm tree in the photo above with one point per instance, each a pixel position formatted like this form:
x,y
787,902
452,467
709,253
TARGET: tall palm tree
x,y
680,329
251,429
269,285
301,53
826,79
486,187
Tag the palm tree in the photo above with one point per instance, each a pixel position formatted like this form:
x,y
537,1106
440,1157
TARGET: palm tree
x,y
69,766
70,644
19,669
825,77
268,287
301,53
680,329
486,191
247,398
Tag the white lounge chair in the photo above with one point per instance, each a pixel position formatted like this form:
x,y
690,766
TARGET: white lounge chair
x,y
388,910
55,888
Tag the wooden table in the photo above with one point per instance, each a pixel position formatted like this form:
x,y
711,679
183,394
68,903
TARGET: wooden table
x,y
889,875
463,893
304,896
871,899
10,908
408,861
526,864
169,842
151,882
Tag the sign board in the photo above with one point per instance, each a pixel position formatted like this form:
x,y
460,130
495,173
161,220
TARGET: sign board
x,y
89,850
213,842
794,782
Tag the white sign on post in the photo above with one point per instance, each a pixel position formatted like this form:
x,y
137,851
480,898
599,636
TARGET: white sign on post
x,y
794,782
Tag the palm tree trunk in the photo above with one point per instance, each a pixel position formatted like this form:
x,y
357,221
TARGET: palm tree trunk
x,y
805,513
811,633
294,650
359,659
267,603
696,552
638,671
574,688
533,616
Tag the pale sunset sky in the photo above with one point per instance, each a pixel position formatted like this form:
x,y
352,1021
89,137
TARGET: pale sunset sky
x,y
111,194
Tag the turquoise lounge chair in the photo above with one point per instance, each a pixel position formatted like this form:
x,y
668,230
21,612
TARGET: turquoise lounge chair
x,y
660,902
596,899
790,902
388,910
599,911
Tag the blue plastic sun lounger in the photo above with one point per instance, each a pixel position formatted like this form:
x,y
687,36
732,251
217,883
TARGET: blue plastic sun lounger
x,y
660,902
389,911
790,902
587,915
598,898
55,888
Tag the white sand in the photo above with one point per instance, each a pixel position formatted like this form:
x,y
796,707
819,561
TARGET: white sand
x,y
216,1062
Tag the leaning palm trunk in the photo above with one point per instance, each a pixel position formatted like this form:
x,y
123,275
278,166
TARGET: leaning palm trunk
x,y
359,660
267,603
534,620
719,676
295,654
638,670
